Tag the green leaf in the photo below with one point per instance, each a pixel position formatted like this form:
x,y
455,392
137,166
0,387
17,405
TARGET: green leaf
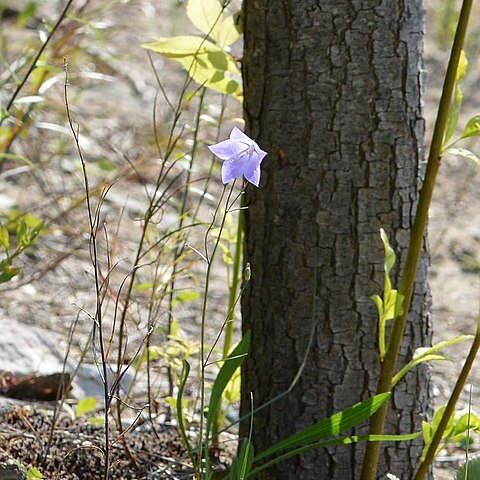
x,y
472,128
4,238
230,365
454,111
15,157
389,252
86,405
453,114
33,473
205,62
26,14
185,297
21,232
437,416
245,460
466,422
332,426
7,270
340,441
28,100
422,351
462,66
229,31
379,303
179,407
427,432
427,354
463,152
207,16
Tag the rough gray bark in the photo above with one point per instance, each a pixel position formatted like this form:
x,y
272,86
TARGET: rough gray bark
x,y
333,93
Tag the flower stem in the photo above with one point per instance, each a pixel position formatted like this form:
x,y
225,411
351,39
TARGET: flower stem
x,y
377,422
232,301
210,258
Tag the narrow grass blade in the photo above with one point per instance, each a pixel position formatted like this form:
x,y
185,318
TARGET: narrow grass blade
x,y
232,362
331,426
181,425
329,443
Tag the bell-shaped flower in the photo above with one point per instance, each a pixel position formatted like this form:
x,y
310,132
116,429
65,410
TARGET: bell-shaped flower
x,y
241,157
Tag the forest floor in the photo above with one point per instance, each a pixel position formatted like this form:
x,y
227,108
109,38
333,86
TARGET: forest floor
x,y
112,92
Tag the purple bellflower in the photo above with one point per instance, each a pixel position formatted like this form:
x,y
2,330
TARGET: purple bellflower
x,y
241,157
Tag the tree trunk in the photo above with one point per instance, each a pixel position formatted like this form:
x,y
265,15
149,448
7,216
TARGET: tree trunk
x,y
333,93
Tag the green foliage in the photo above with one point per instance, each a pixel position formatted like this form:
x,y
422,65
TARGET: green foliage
x,y
472,128
320,434
206,60
180,409
84,406
458,427
33,473
455,108
390,306
24,232
228,369
242,465
427,354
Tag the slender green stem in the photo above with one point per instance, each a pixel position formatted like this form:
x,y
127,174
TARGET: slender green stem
x,y
233,290
387,367
38,55
210,258
450,408
232,301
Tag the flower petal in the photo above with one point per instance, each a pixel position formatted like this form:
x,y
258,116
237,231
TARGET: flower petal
x,y
253,175
252,168
238,135
228,149
232,169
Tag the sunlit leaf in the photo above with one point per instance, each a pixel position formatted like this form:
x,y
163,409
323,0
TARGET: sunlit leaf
x,y
463,152
428,354
332,426
86,405
454,111
185,297
462,66
472,128
389,252
229,31
205,62
427,432
4,238
206,15
422,351
466,422
33,473
437,417
327,443
28,100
